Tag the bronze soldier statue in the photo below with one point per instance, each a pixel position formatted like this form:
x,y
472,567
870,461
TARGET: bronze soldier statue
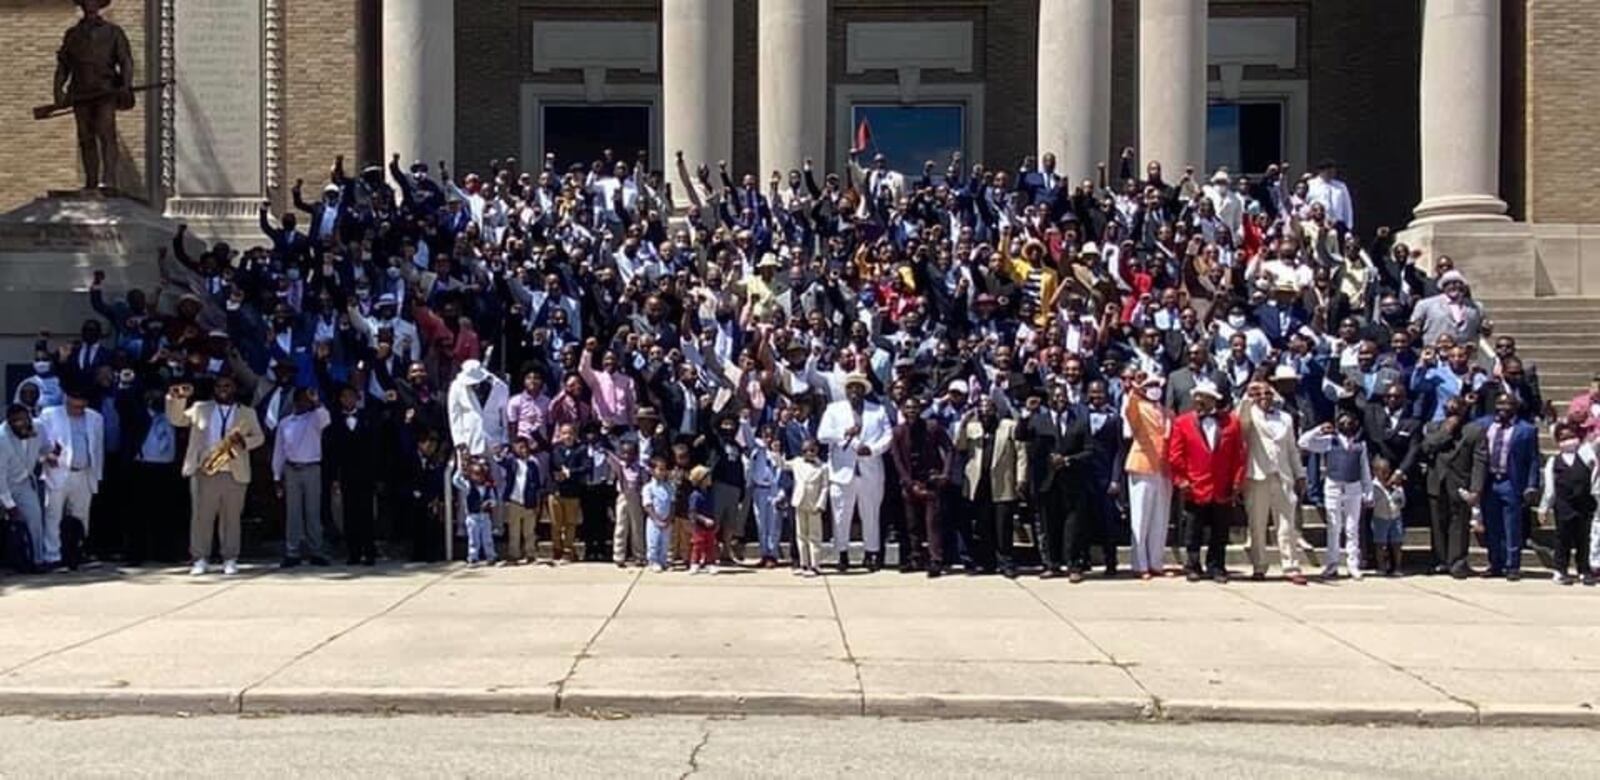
x,y
94,74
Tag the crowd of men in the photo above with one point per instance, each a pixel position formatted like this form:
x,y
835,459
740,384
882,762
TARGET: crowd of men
x,y
950,361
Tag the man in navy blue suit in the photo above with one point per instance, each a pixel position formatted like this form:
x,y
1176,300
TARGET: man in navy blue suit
x,y
1104,471
1513,482
1283,315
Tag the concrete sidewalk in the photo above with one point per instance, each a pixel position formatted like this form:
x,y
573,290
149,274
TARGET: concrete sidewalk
x,y
596,639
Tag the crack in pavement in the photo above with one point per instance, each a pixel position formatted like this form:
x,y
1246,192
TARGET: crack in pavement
x,y
1441,690
1127,668
694,753
561,685
133,624
849,654
344,632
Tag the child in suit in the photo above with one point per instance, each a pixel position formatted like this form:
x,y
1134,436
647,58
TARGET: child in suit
x,y
657,497
703,517
809,496
1569,495
1347,487
1388,503
762,468
524,492
478,491
570,466
628,516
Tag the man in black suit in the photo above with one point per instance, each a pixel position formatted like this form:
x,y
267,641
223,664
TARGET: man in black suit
x,y
351,447
1197,367
1103,470
1395,435
1458,452
1058,441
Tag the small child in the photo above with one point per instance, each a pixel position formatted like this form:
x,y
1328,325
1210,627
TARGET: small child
x,y
809,496
703,548
1347,487
657,498
762,468
628,531
570,465
524,491
1388,532
682,464
1569,494
479,494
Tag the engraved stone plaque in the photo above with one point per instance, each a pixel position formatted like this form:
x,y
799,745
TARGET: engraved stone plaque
x,y
218,137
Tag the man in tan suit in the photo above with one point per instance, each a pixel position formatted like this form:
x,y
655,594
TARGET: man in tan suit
x,y
995,476
218,498
1274,477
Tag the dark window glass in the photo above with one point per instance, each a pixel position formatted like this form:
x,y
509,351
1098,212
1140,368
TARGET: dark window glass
x,y
578,134
908,136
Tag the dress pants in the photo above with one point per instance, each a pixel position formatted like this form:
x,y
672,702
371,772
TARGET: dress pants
x,y
522,539
1206,524
1098,523
1149,510
731,504
1343,501
993,533
72,499
595,508
769,524
357,506
1502,525
159,528
807,536
1273,500
1051,507
30,510
627,533
218,500
864,494
923,527
1572,535
302,493
1449,515
564,514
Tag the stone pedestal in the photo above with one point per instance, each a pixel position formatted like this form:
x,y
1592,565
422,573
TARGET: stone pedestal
x,y
49,251
1499,259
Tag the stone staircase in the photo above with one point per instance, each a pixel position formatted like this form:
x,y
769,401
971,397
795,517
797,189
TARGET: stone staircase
x,y
1558,335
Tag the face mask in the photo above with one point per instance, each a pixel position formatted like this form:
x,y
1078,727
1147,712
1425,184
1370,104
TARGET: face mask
x,y
394,272
1236,321
1152,393
41,367
294,274
1568,445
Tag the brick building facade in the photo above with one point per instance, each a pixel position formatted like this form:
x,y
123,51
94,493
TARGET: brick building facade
x,y
1344,79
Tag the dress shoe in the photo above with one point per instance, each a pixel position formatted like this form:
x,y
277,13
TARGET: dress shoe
x,y
1219,577
1009,572
1297,578
874,561
1193,575
1075,577
1049,573
844,562
289,563
1258,576
1587,580
317,560
1513,575
935,572
1461,571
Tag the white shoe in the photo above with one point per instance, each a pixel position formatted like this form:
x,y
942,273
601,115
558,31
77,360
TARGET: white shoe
x,y
230,568
657,568
198,568
695,569
712,569
1355,573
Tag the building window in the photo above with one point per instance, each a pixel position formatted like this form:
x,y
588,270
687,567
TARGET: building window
x,y
1245,137
910,135
578,134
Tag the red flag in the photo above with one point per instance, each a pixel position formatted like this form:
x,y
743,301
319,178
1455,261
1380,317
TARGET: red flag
x,y
863,135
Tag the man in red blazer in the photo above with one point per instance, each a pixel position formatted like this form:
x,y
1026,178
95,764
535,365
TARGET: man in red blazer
x,y
1206,456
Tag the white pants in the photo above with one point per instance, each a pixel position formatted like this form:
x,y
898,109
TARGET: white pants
x,y
1266,500
71,499
1150,509
863,493
1594,543
1343,502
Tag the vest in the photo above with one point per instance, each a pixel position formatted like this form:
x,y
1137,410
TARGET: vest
x,y
1572,495
1344,463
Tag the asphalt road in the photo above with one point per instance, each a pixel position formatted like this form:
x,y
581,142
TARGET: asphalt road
x,y
676,747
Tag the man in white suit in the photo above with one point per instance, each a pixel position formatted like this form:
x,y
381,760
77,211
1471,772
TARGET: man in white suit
x,y
477,410
857,433
20,452
1274,476
74,457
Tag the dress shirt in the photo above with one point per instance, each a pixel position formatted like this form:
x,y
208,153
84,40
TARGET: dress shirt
x,y
299,440
1500,449
159,445
1208,427
79,426
528,415
658,495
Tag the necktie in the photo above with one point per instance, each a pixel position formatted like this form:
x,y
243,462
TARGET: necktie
x,y
1501,440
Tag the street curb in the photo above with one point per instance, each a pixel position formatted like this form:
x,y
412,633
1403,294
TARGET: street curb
x,y
600,702
118,701
1181,710
421,701
1007,707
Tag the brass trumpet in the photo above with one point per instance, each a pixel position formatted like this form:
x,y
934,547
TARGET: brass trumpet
x,y
221,457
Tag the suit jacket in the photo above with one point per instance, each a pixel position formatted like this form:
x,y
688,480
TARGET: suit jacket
x,y
1044,438
1007,463
1269,318
1523,461
1182,381
1432,315
479,426
904,456
55,430
19,459
351,456
198,418
1106,448
1206,475
1400,445
1269,455
85,360
1460,458
844,464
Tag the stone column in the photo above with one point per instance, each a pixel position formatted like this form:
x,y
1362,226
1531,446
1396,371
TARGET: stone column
x,y
1172,84
1075,84
793,72
1460,105
697,81
419,80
